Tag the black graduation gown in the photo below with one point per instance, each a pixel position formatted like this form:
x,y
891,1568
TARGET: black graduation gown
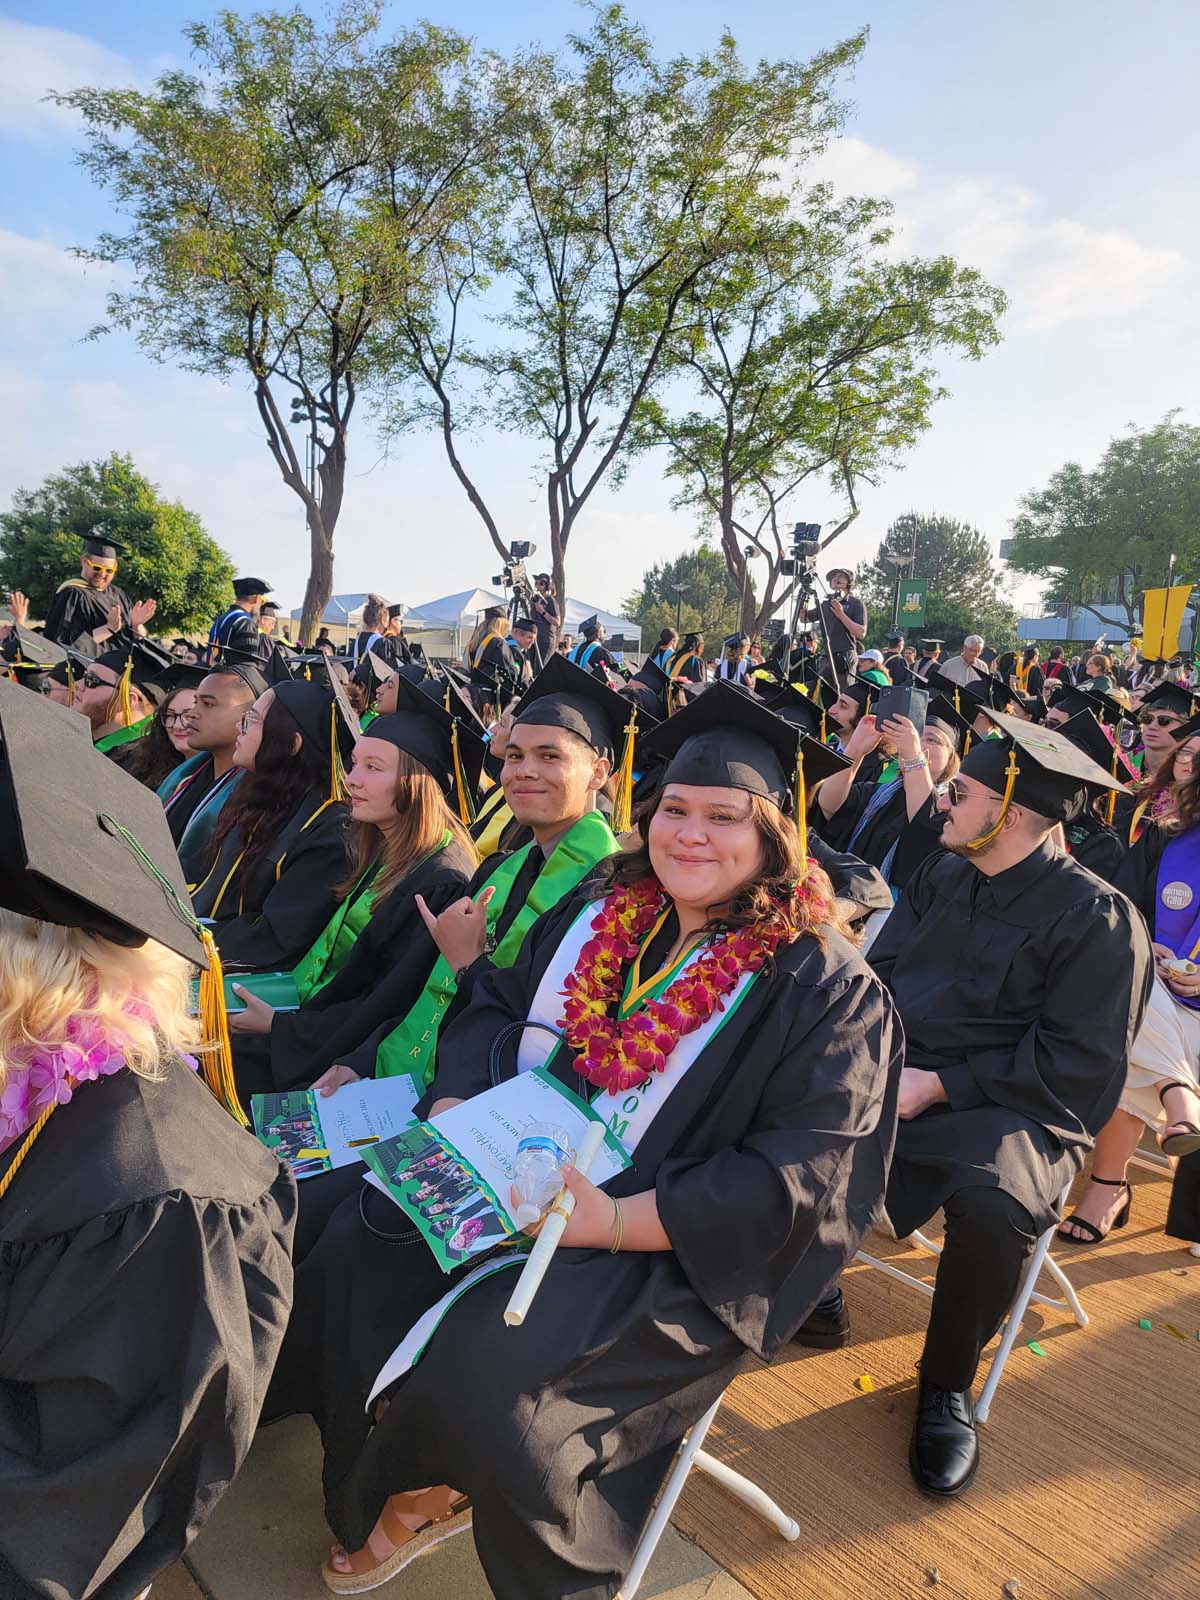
x,y
913,840
768,1161
1023,992
78,609
145,1282
853,880
386,969
188,800
270,920
1095,846
493,675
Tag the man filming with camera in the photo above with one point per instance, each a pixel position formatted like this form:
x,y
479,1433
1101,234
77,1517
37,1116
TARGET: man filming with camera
x,y
546,617
844,625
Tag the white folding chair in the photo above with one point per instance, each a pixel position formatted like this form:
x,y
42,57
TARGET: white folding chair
x,y
1027,1290
691,1455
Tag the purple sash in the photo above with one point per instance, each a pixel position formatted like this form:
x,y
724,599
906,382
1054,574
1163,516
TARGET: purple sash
x,y
1177,900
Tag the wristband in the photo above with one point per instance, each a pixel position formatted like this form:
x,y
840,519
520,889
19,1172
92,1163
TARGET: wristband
x,y
915,766
618,1228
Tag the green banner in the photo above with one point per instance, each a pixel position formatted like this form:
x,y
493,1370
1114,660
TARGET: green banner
x,y
912,602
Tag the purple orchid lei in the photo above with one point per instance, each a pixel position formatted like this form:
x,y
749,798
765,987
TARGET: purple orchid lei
x,y
50,1077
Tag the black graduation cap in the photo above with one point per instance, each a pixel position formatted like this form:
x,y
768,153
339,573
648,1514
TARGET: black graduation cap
x,y
1187,730
25,648
440,682
371,671
1074,700
278,666
448,749
320,709
1036,767
565,696
271,606
394,612
67,816
72,667
181,676
102,547
1087,732
988,691
862,691
590,624
726,740
1173,697
248,586
250,669
735,641
932,644
651,678
795,707
941,712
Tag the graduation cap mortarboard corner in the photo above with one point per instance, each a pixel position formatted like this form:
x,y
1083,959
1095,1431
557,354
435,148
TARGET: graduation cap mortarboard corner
x,y
932,644
33,651
794,706
445,744
102,548
1186,730
181,676
1073,700
396,611
1172,697
590,624
1086,731
941,713
244,587
249,669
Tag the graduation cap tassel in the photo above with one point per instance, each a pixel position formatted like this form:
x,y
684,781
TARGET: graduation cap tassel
x,y
123,683
217,1059
1011,776
337,772
802,811
824,734
462,790
14,1165
623,803
70,683
1112,793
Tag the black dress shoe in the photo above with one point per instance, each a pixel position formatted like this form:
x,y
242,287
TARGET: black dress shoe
x,y
944,1451
827,1326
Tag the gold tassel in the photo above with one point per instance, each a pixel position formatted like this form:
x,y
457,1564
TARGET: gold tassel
x,y
217,1059
1112,793
466,811
446,700
623,803
70,683
824,734
1012,775
26,1146
307,673
958,702
802,810
123,692
337,772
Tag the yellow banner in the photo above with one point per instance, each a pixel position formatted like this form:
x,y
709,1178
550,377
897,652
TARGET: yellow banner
x,y
1162,614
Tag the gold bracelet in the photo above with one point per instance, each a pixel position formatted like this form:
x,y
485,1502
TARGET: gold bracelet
x,y
618,1228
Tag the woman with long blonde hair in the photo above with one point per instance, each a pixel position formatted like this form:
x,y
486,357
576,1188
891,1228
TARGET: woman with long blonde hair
x,y
145,1278
494,675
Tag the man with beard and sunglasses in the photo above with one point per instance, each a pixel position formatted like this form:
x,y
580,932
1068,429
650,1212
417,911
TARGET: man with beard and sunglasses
x,y
1021,980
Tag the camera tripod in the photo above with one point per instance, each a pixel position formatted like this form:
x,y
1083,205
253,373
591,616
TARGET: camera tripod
x,y
805,597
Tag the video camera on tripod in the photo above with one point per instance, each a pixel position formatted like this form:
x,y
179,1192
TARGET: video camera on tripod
x,y
806,547
515,577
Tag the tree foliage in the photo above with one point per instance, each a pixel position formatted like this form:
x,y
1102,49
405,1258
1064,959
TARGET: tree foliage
x,y
256,233
964,594
1106,535
811,361
167,553
624,190
709,604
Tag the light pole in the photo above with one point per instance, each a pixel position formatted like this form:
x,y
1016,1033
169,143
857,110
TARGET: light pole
x,y
747,554
679,590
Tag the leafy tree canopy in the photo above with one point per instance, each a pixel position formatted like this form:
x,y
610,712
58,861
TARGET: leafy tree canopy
x,y
710,604
167,555
1108,534
964,594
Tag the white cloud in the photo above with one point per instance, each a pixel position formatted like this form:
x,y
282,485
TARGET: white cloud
x,y
1055,269
38,276
34,60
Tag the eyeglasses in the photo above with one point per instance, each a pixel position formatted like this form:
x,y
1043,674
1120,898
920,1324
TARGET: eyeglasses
x,y
1158,719
249,720
175,717
955,792
91,681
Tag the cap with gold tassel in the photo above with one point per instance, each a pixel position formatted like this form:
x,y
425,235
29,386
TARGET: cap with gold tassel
x,y
462,787
623,801
1012,773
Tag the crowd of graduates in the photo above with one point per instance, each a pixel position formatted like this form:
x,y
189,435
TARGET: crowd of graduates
x,y
844,937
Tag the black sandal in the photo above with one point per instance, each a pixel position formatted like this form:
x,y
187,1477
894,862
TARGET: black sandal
x,y
1095,1234
1187,1139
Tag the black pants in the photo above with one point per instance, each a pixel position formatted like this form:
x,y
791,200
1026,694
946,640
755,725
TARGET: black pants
x,y
989,1238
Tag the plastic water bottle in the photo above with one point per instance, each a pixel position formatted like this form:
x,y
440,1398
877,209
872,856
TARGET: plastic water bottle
x,y
537,1169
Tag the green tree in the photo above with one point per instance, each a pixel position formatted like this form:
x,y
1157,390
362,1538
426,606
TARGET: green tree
x,y
1133,523
167,554
622,186
256,237
811,362
964,594
695,586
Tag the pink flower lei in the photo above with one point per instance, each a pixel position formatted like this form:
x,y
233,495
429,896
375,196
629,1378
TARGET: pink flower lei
x,y
46,1078
621,1055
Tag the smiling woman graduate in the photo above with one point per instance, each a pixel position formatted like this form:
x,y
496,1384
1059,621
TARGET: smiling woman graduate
x,y
742,1051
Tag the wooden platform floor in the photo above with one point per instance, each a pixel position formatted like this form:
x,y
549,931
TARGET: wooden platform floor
x,y
1090,1476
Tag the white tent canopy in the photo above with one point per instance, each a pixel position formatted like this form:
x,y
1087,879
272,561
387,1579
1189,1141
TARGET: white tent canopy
x,y
463,610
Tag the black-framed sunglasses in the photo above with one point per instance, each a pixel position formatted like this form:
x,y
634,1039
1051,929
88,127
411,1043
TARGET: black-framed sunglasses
x,y
954,791
1158,719
91,681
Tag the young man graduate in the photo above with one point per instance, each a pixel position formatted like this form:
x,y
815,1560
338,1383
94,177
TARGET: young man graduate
x,y
561,750
92,603
1021,981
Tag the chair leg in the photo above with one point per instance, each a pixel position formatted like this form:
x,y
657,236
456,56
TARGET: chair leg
x,y
691,1455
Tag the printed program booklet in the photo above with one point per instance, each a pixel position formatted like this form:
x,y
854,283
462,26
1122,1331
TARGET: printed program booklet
x,y
452,1174
315,1134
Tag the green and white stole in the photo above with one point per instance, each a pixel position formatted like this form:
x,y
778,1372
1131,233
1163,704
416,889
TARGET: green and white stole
x,y
411,1044
631,1113
119,736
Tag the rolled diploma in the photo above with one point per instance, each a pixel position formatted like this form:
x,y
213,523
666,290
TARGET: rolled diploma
x,y
546,1242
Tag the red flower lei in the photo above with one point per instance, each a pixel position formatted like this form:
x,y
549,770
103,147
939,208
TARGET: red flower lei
x,y
620,1055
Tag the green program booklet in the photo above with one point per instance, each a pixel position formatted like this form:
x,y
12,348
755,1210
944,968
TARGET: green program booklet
x,y
315,1133
452,1174
278,989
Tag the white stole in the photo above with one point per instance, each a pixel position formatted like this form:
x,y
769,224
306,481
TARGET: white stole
x,y
629,1114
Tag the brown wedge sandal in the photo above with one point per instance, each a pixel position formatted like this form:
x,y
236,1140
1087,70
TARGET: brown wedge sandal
x,y
448,1513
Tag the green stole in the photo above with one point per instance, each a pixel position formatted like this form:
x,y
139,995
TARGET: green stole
x,y
365,721
120,736
328,955
411,1044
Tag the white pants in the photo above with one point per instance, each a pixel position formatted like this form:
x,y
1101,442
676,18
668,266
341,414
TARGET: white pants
x,y
1167,1046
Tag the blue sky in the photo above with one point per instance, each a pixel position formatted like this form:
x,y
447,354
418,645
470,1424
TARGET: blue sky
x,y
1052,145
